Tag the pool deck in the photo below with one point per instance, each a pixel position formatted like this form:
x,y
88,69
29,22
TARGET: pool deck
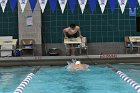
x,y
62,60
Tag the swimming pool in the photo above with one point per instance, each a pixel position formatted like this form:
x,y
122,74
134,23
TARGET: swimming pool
x,y
100,79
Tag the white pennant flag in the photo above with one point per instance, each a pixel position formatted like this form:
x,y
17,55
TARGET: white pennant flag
x,y
139,2
82,4
62,4
3,4
23,4
122,4
43,4
102,4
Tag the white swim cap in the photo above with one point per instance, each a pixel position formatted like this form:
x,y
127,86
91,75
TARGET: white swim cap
x,y
78,62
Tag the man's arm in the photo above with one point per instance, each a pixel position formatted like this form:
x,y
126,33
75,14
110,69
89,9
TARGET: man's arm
x,y
78,29
65,31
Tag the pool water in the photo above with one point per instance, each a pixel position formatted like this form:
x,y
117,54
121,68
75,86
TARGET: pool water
x,y
10,78
132,71
99,79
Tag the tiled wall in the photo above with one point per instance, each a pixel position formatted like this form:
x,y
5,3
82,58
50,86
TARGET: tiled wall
x,y
97,27
9,22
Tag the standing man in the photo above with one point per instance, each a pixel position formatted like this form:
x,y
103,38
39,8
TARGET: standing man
x,y
72,31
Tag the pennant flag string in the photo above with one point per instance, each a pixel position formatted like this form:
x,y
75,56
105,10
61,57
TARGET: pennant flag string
x,y
139,2
102,4
62,4
132,4
13,4
3,4
23,4
43,4
122,4
32,4
82,4
53,4
72,3
112,4
92,4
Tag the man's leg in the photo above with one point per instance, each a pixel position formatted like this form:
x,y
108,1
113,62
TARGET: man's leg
x,y
73,49
68,50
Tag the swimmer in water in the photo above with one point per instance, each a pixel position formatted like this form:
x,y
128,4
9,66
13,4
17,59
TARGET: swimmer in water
x,y
77,66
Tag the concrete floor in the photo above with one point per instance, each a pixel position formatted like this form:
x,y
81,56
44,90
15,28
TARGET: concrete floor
x,y
62,60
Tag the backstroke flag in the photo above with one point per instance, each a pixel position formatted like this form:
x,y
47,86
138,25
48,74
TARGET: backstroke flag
x,y
43,4
62,4
132,4
32,4
72,4
82,4
139,2
92,4
112,4
102,4
3,4
22,4
122,4
13,4
52,4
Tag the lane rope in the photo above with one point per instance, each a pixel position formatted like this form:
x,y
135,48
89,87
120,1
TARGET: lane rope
x,y
127,79
26,81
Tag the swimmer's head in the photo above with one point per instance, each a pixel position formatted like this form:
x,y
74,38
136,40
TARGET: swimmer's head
x,y
78,62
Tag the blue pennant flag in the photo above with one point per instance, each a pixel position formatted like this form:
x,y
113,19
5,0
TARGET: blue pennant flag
x,y
92,4
72,4
132,4
13,4
112,4
53,4
32,4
